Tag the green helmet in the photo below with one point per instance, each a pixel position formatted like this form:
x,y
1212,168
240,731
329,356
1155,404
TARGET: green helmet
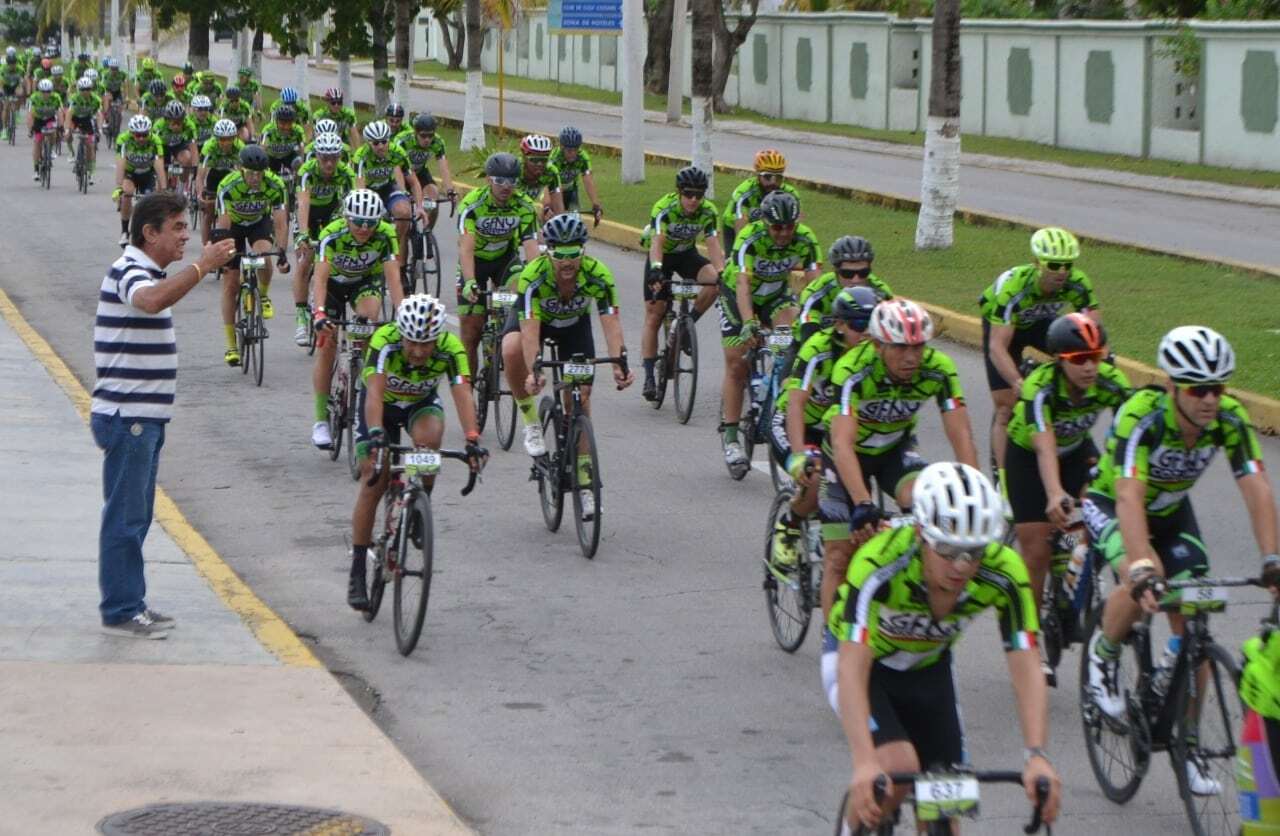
x,y
1260,682
1054,244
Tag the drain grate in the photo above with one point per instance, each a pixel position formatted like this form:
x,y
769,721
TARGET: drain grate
x,y
211,818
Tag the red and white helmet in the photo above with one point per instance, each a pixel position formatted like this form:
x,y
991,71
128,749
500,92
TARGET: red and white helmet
x,y
535,145
901,322
332,94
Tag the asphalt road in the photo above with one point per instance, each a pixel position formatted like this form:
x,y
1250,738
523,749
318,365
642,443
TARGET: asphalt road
x,y
1213,228
550,694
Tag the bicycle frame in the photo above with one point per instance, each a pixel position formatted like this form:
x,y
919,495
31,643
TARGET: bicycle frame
x,y
952,777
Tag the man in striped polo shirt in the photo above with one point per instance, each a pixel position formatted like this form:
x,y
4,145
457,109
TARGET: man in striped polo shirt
x,y
137,359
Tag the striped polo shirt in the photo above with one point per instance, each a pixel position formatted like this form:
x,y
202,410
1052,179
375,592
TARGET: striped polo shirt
x,y
135,352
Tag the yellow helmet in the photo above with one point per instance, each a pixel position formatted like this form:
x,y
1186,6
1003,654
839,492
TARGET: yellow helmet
x,y
770,161
1054,244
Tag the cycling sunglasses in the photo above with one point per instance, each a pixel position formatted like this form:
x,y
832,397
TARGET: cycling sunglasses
x,y
1056,266
376,142
770,178
854,274
1200,390
953,554
425,134
1079,358
781,227
364,223
503,181
566,253
698,195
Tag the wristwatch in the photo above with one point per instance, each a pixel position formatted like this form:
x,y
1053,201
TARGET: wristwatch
x,y
1036,752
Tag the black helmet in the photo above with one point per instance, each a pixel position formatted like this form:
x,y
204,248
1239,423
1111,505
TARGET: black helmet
x,y
286,113
691,178
564,229
84,56
156,88
571,137
395,109
424,122
502,165
233,92
174,110
853,305
1075,332
254,157
850,248
780,207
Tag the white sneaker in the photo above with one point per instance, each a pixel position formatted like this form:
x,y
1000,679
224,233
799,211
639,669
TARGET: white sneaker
x,y
1103,686
1200,782
533,443
301,336
588,500
734,456
124,239
35,176
320,436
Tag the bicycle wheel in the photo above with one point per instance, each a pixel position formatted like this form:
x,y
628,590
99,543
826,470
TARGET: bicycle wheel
x,y
259,338
46,163
786,594
1119,750
480,395
685,368
243,323
430,262
82,167
337,409
1205,734
663,369
588,529
504,404
413,574
349,414
550,494
378,566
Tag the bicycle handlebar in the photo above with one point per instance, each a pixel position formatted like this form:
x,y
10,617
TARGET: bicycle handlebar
x,y
620,361
460,455
881,788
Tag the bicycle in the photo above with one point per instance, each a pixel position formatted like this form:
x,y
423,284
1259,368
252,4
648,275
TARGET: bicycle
x,y
1169,709
940,797
557,472
81,164
791,596
424,255
344,387
404,549
489,379
11,107
113,120
764,361
251,333
678,357
46,155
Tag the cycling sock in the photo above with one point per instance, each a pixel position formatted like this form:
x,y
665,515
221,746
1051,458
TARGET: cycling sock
x,y
231,335
731,433
124,224
302,306
1107,649
649,363
357,559
322,407
528,410
584,469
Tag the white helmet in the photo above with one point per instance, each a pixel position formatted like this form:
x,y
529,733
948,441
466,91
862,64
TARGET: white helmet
x,y
326,126
901,322
45,85
91,74
535,145
363,205
57,70
224,129
84,84
201,103
377,131
328,144
420,317
1196,354
140,124
955,505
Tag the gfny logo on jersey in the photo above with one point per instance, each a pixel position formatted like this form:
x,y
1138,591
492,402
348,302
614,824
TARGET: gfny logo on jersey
x,y
140,159
918,626
888,411
357,262
405,386
1067,427
1044,310
558,306
1179,465
497,226
684,231
250,207
773,267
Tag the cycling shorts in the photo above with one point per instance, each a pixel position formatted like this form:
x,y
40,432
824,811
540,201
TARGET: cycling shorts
x,y
780,444
282,164
246,235
489,274
1036,336
394,418
731,319
171,151
212,179
568,342
890,470
85,125
424,177
1026,492
144,182
1175,538
688,264
390,195
338,296
319,217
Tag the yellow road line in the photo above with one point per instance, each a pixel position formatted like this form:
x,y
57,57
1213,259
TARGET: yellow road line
x,y
269,629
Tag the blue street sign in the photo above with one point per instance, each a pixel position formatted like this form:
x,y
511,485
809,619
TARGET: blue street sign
x,y
598,16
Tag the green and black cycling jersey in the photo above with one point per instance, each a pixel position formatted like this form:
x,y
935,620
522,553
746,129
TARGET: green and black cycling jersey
x,y
745,201
211,88
1146,444
10,76
498,230
281,144
139,155
45,106
667,217
248,88
572,170
184,134
540,298
345,117
814,364
84,105
886,410
153,106
770,265
114,80
408,384
1046,405
245,205
239,112
351,261
301,115
1014,298
419,156
883,602
204,129
548,181
820,294
145,76
213,158
379,171
325,191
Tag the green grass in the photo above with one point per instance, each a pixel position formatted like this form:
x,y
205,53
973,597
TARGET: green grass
x,y
993,145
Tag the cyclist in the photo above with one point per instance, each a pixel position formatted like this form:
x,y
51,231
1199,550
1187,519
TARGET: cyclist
x,y
328,126
146,74
97,86
1137,508
81,112
1259,742
1016,311
850,258
355,266
539,176
81,65
797,432
743,206
240,112
139,168
573,162
496,226
882,385
671,237
154,101
557,290
44,108
11,89
116,81
202,116
251,204
177,132
219,157
180,91
249,87
208,86
755,290
1050,450
904,601
283,139
344,116
323,183
60,81
386,170
421,145
406,360
394,117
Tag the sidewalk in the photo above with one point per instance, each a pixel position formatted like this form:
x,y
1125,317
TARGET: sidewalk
x,y
94,725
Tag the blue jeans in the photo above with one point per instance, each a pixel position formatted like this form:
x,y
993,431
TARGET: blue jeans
x,y
132,457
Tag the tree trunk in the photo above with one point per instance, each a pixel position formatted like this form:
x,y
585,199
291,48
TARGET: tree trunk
x,y
473,112
657,61
378,24
344,75
727,43
257,54
102,21
675,63
940,183
452,29
704,13
405,10
198,39
632,92
133,29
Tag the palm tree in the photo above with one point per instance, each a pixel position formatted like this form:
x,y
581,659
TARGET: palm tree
x,y
703,88
473,112
940,185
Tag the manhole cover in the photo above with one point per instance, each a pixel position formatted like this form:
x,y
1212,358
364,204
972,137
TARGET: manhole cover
x,y
208,818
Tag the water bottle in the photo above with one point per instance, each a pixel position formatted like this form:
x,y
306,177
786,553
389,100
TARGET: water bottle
x,y
1163,673
757,386
1075,565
